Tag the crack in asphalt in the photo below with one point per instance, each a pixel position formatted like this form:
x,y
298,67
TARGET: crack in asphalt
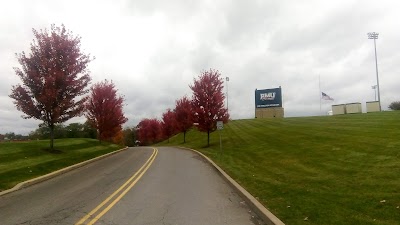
x,y
168,207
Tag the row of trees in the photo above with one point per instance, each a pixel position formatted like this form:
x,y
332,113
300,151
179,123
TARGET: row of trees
x,y
55,78
11,136
204,109
394,105
79,130
72,130
173,121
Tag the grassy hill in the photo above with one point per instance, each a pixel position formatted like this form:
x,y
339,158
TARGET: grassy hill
x,y
20,161
314,170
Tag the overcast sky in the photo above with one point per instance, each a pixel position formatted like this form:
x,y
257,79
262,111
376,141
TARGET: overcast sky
x,y
153,49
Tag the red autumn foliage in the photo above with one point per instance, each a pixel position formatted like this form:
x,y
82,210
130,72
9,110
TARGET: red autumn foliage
x,y
149,131
208,101
53,75
183,116
104,110
168,124
118,138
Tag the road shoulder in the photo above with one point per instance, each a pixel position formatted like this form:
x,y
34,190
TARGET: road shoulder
x,y
48,176
253,203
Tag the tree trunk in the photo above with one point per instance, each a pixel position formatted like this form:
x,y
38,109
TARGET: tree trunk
x,y
208,138
184,136
99,135
51,137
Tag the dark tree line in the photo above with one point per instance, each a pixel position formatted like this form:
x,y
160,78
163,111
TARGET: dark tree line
x,y
77,130
73,130
394,105
11,136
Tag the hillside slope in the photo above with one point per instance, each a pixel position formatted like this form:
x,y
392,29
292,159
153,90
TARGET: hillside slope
x,y
314,170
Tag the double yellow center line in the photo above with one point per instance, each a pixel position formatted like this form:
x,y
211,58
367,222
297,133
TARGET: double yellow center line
x,y
96,214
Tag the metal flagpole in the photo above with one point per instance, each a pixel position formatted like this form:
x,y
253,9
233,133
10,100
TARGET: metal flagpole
x,y
227,97
320,110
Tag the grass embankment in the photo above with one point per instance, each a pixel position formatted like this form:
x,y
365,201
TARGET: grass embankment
x,y
20,161
314,170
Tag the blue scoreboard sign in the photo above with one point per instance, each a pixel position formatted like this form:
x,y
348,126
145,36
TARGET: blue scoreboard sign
x,y
268,98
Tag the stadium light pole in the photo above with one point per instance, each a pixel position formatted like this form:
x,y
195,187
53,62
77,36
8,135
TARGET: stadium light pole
x,y
373,35
227,98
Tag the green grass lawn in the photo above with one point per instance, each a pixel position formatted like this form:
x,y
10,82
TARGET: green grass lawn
x,y
20,161
314,170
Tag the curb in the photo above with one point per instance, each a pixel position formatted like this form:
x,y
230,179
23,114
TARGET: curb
x,y
48,176
255,205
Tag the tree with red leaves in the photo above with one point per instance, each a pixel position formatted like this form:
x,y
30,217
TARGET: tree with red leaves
x,y
149,131
208,101
168,124
118,138
183,115
53,75
104,110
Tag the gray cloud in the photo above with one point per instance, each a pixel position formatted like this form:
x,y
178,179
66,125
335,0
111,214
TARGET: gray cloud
x,y
153,50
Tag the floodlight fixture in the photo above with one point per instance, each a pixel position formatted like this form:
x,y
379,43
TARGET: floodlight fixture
x,y
373,35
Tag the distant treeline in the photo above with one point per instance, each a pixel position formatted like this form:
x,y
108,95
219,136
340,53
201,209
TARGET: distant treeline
x,y
72,130
11,136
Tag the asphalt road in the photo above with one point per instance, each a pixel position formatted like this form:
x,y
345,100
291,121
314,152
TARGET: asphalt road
x,y
142,186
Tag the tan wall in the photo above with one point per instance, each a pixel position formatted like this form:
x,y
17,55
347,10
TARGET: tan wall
x,y
373,106
338,109
274,112
353,108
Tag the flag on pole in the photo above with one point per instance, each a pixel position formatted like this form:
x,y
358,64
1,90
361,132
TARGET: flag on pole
x,y
326,97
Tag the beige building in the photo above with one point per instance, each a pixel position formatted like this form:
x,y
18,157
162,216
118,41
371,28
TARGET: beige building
x,y
339,109
347,108
373,106
353,108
